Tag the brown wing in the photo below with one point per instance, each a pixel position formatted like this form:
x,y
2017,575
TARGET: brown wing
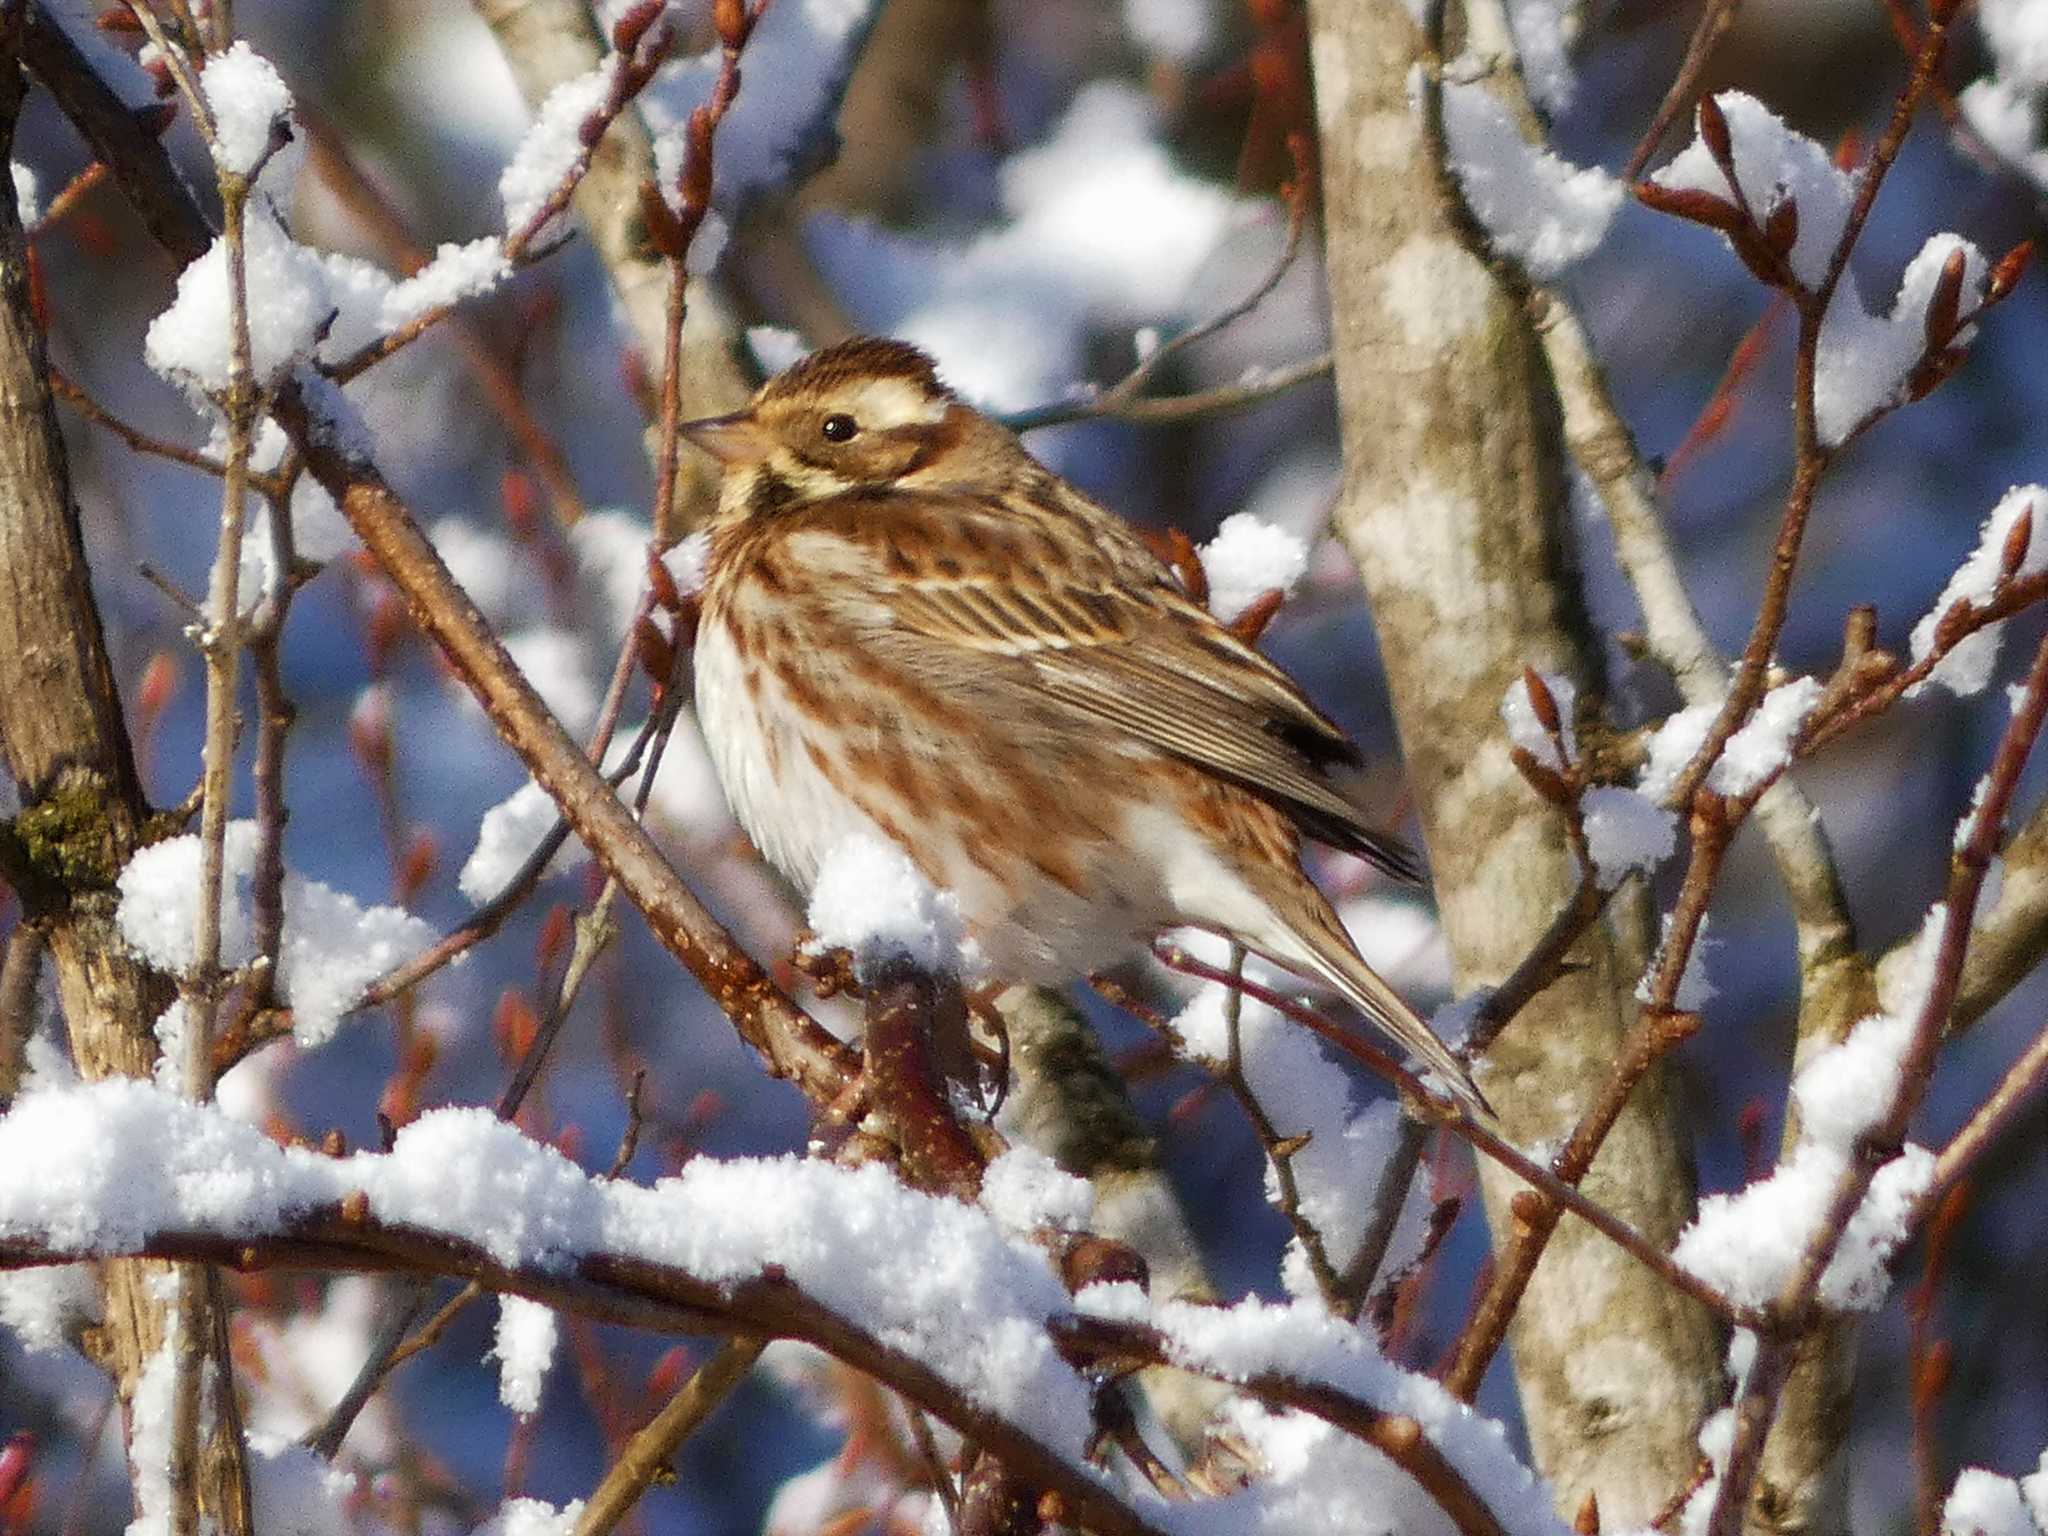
x,y
1076,615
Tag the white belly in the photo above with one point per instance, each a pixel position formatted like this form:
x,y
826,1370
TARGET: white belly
x,y
791,810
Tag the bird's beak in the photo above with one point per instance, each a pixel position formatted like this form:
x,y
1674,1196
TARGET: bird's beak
x,y
734,439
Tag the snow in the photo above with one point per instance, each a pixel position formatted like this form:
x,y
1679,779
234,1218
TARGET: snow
x,y
869,898
551,147
776,347
1675,743
1773,165
28,203
1695,991
793,74
1748,1244
458,271
524,1347
1865,361
1984,1504
1247,559
1025,1190
611,550
1539,27
1538,209
1968,665
1763,745
506,838
249,104
2017,33
1097,228
556,664
288,302
1847,1088
1528,732
333,947
1304,1091
1626,833
43,1306
1177,30
2005,114
1328,1482
533,1517
688,559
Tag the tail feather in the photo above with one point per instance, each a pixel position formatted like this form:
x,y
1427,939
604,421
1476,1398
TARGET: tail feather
x,y
1323,950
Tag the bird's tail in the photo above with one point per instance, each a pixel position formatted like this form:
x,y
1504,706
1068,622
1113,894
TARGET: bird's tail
x,y
1316,945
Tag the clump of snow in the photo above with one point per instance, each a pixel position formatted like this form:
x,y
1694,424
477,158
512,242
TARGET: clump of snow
x,y
1303,1091
28,203
524,1346
2017,33
1537,208
1847,1088
552,146
687,560
458,271
1529,733
1865,361
1695,990
1540,29
44,1305
249,104
533,1517
1674,744
1968,665
2006,114
1984,1504
288,303
507,837
1177,30
1773,165
1748,1244
1026,1190
333,947
869,898
1247,559
1626,833
1764,744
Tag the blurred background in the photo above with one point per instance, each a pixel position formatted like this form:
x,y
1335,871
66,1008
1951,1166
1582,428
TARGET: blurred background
x,y
1030,188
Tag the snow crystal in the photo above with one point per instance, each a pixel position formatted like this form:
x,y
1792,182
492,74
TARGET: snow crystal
x,y
1984,1504
1695,991
1626,833
1538,209
457,272
1773,165
869,898
1866,360
1026,1190
524,1346
1748,1244
1968,665
1247,559
332,949
248,101
288,302
1764,744
551,147
1304,1091
1526,731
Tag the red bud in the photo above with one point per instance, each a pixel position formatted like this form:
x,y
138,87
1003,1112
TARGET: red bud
x,y
632,26
1946,302
1689,203
664,230
2013,554
1542,703
2011,266
1713,128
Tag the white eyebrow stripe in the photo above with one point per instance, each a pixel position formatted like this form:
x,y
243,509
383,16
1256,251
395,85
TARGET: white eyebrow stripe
x,y
890,402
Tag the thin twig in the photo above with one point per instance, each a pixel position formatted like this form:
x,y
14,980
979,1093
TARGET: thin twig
x,y
648,1452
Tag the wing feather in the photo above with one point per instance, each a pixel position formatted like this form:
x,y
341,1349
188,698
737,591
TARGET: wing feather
x,y
1106,636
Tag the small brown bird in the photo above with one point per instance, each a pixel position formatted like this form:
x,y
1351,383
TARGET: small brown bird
x,y
912,628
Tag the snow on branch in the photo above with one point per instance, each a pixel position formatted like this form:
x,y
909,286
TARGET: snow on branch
x,y
1537,208
2006,551
333,947
871,900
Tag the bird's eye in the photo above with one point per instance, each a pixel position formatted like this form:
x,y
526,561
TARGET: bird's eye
x,y
839,428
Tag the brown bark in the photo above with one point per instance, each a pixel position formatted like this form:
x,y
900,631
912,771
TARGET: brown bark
x,y
1454,508
83,813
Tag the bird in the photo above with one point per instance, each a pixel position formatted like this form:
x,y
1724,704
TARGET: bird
x,y
911,629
